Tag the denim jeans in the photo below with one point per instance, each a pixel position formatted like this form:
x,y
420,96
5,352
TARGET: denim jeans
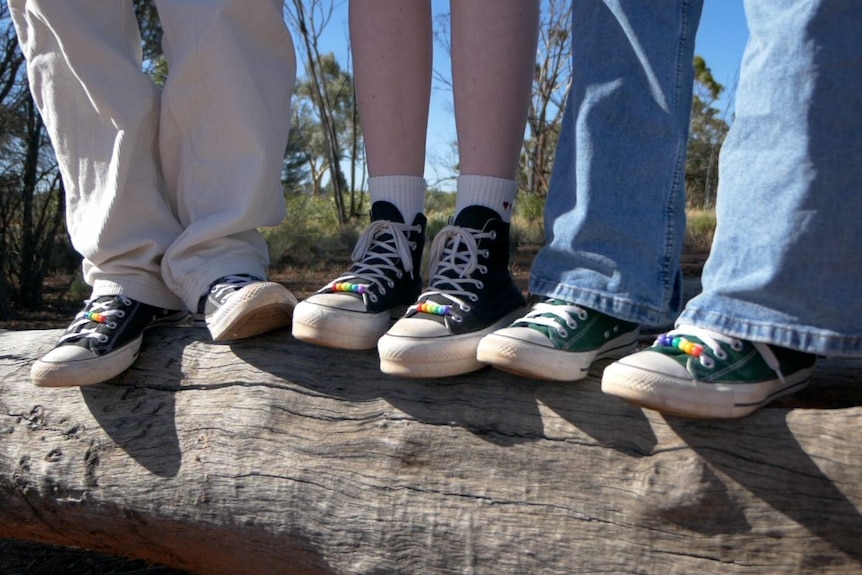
x,y
786,262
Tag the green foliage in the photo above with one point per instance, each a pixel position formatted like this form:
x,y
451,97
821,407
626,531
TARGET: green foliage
x,y
529,213
439,202
309,233
699,230
706,134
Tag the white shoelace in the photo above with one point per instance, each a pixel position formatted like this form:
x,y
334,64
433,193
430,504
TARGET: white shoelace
x,y
229,284
714,341
396,255
455,249
569,313
94,314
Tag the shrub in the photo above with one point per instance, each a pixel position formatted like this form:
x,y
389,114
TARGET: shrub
x,y
699,230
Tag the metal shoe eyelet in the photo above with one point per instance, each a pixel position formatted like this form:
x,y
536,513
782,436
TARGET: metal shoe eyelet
x,y
563,332
707,362
736,345
103,338
493,234
480,285
373,297
572,324
486,254
121,313
399,274
483,270
382,290
457,318
720,354
390,283
474,298
111,325
465,308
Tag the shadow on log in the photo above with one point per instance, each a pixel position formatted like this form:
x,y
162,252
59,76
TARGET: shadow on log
x,y
273,456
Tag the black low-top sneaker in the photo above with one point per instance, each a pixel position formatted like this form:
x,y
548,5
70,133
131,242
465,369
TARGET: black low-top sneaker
x,y
355,309
694,372
102,342
470,294
241,306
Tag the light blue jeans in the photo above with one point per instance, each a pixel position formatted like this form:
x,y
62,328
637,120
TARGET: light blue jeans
x,y
786,262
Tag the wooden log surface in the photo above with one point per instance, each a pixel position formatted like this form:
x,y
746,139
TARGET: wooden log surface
x,y
274,456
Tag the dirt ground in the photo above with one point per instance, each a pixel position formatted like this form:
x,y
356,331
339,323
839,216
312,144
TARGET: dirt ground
x,y
24,558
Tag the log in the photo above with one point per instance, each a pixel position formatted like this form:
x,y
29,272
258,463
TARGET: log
x,y
274,456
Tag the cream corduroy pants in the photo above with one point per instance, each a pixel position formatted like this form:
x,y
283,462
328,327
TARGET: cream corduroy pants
x,y
165,187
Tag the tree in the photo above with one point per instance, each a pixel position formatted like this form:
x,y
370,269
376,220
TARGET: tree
x,y
151,34
706,134
31,193
330,93
296,169
550,89
336,85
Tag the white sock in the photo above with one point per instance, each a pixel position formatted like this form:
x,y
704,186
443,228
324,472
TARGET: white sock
x,y
495,193
407,193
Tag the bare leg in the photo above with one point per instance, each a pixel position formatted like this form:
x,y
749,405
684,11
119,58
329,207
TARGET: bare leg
x,y
493,61
392,53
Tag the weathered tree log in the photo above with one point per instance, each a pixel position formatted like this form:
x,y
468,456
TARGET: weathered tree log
x,y
273,456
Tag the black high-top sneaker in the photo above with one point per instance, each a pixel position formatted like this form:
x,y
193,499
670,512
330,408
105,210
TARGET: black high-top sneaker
x,y
355,309
471,294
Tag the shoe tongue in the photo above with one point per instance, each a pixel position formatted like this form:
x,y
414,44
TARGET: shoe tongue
x,y
383,210
113,301
475,217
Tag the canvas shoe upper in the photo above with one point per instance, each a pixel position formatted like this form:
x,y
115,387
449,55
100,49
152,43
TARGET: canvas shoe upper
x,y
240,306
695,372
102,341
355,309
557,340
470,294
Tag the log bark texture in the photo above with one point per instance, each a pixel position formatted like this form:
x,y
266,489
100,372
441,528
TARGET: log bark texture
x,y
274,456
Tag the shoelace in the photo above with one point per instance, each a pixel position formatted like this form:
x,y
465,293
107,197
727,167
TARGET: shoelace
x,y
230,284
714,341
100,312
394,250
565,312
454,257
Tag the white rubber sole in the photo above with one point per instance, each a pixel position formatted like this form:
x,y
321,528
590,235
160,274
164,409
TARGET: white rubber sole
x,y
255,309
444,356
85,371
690,398
339,328
535,361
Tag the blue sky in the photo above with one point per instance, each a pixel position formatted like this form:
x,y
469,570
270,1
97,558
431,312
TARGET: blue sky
x,y
721,40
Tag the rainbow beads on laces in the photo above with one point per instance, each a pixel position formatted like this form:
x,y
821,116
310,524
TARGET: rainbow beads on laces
x,y
95,316
349,287
433,308
680,343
